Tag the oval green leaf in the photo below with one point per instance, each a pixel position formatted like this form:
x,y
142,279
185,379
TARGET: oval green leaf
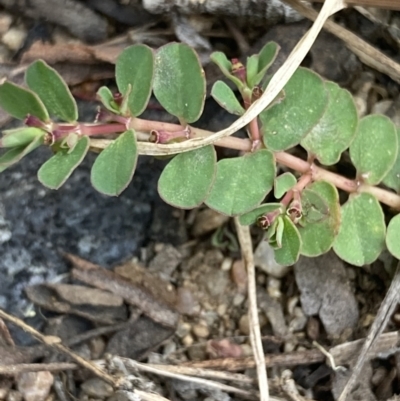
x,y
59,168
20,102
225,66
392,179
361,236
252,216
16,154
52,90
187,179
317,238
107,99
283,183
258,64
374,149
225,97
285,124
242,182
135,67
393,236
20,137
336,129
179,82
289,252
114,167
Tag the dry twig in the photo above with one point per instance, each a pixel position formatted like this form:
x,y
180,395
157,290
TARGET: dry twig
x,y
11,370
133,365
368,54
246,247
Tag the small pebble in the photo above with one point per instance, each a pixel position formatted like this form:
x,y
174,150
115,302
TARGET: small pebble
x,y
273,288
238,299
291,304
244,327
14,38
187,341
97,388
169,348
183,329
239,276
35,386
289,346
247,350
264,259
226,264
201,331
186,303
221,310
299,320
5,22
206,221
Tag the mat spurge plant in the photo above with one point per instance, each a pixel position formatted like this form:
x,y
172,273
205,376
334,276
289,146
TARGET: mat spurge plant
x,y
303,215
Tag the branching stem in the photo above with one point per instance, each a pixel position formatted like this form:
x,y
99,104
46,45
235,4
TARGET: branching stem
x,y
286,159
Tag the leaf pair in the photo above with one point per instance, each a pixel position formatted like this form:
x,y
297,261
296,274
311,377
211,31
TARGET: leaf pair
x,y
111,172
319,115
134,73
174,73
231,186
256,68
47,94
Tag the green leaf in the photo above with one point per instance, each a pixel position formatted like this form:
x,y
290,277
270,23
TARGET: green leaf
x,y
242,182
374,149
251,69
59,168
393,236
20,137
179,83
392,179
16,154
285,124
283,183
267,56
225,66
315,208
52,90
289,252
225,97
258,64
187,179
317,238
107,99
135,67
361,235
336,129
114,167
20,102
252,216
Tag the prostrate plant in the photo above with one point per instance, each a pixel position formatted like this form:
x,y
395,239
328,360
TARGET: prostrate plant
x,y
305,215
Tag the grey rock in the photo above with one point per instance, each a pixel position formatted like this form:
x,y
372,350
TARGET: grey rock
x,y
325,291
